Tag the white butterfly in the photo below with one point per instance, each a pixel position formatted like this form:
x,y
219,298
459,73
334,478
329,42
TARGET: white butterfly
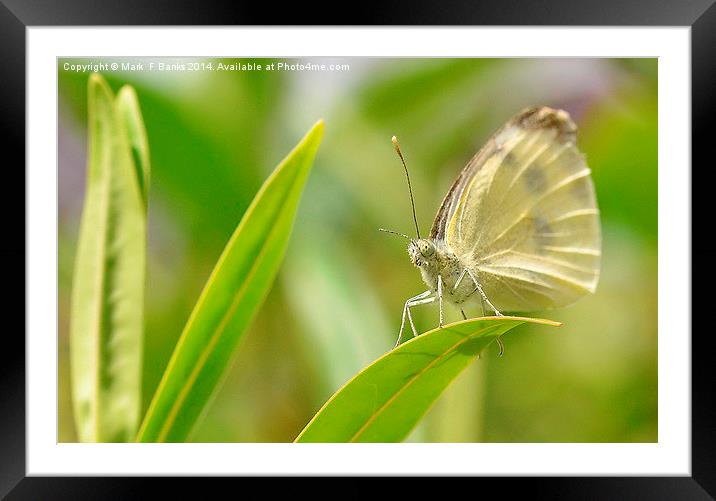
x,y
519,228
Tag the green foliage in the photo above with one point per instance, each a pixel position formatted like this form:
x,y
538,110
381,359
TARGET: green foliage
x,y
630,126
108,284
386,399
331,270
237,286
336,306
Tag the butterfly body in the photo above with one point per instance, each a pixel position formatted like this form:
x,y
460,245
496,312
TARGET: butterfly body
x,y
519,228
433,258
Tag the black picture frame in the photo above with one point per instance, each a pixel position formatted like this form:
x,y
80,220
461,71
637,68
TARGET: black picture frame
x,y
699,15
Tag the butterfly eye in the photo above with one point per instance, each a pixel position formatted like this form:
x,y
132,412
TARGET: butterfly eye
x,y
426,249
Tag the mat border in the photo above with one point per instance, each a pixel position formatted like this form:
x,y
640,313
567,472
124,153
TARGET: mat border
x,y
700,15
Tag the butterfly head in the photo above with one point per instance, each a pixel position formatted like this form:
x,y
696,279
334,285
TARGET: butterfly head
x,y
421,251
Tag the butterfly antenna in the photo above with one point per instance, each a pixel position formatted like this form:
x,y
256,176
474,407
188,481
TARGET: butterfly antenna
x,y
395,233
407,176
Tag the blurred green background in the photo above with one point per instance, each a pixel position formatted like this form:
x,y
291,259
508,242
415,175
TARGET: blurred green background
x,y
214,137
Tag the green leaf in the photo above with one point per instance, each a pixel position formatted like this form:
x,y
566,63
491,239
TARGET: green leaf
x,y
384,401
236,288
108,283
128,109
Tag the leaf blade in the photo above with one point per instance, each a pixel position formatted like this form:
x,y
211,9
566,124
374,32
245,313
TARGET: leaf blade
x,y
237,285
386,400
131,117
108,283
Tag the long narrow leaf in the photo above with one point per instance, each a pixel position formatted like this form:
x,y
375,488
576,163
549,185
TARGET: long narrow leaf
x,y
131,117
237,286
108,284
384,401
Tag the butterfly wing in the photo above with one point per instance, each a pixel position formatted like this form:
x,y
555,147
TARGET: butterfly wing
x,y
523,215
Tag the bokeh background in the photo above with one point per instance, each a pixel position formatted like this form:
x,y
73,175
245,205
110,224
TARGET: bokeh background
x,y
336,304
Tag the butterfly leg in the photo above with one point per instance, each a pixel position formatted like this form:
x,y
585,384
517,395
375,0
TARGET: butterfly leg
x,y
440,299
413,301
465,318
477,287
497,313
482,293
501,344
410,316
459,281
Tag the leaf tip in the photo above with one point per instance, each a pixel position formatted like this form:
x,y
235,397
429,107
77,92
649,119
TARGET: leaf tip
x,y
551,323
317,128
127,94
96,80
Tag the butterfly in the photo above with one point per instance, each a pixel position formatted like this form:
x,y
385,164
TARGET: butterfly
x,y
519,228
